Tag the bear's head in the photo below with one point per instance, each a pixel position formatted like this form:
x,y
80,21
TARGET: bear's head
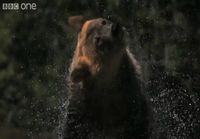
x,y
99,47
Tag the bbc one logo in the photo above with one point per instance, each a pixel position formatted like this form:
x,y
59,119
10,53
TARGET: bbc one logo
x,y
19,6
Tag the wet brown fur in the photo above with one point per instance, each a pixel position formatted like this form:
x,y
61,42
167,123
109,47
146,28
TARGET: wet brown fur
x,y
106,97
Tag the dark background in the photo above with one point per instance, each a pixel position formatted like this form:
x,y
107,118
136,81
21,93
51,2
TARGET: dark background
x,y
36,48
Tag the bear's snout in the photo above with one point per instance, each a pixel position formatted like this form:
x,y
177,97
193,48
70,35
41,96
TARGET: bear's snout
x,y
110,33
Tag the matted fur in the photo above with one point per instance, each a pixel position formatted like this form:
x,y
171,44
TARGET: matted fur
x,y
106,97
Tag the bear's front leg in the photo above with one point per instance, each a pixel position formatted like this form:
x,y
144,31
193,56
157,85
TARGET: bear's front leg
x,y
77,125
81,71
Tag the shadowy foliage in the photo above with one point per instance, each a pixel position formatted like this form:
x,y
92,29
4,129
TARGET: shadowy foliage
x,y
36,47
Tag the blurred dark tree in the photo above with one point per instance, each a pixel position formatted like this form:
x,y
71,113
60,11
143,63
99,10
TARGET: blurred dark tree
x,y
36,47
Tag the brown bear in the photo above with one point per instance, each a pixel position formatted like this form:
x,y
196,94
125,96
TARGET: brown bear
x,y
106,99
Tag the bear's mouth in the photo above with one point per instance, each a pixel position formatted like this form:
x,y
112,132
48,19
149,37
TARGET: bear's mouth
x,y
104,48
79,75
103,45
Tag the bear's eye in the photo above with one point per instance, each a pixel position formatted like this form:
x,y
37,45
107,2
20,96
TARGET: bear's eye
x,y
103,22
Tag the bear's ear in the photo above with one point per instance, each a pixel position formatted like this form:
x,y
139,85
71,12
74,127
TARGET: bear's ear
x,y
76,22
